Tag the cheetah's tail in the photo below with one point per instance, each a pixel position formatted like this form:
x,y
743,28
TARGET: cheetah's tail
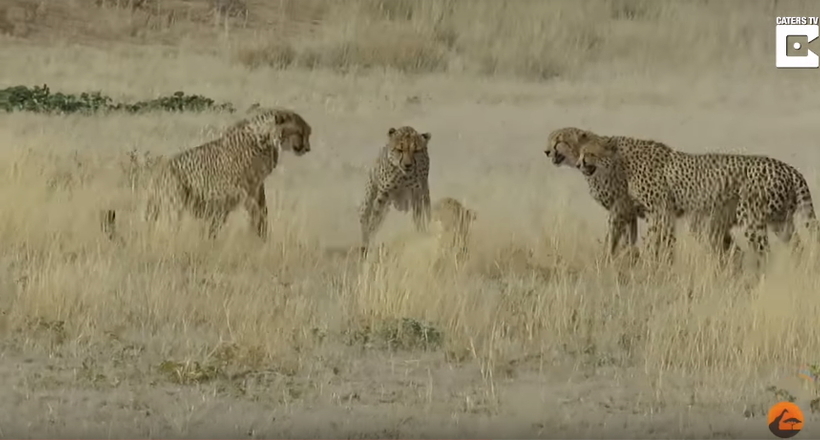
x,y
805,206
108,223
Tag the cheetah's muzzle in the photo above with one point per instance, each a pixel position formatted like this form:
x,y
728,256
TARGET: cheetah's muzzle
x,y
557,158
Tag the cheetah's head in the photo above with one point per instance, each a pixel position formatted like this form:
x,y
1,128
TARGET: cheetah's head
x,y
405,146
563,145
593,157
292,133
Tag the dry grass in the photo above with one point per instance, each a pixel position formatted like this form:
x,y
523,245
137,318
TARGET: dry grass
x,y
529,39
535,328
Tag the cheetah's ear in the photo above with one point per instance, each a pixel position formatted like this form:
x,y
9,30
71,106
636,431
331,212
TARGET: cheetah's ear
x,y
426,136
583,136
391,131
279,119
599,150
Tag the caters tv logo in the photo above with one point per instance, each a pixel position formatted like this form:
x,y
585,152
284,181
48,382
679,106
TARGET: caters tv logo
x,y
792,38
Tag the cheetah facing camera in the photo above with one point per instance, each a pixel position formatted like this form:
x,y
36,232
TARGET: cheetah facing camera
x,y
750,191
398,177
211,180
453,220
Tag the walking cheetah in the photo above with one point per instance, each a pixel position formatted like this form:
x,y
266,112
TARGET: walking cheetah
x,y
454,221
398,177
211,180
611,189
750,191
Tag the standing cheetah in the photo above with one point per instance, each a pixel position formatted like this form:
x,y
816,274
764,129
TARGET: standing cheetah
x,y
611,189
750,191
398,177
607,189
211,180
454,221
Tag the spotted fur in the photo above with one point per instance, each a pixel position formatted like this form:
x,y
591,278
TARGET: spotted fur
x,y
213,179
750,191
611,189
399,177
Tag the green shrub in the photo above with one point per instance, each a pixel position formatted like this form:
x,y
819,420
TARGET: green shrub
x,y
40,99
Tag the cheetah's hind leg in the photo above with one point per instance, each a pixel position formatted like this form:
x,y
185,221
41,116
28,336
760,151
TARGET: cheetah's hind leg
x,y
257,208
785,232
215,214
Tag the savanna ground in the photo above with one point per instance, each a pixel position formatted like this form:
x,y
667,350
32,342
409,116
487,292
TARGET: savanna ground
x,y
169,335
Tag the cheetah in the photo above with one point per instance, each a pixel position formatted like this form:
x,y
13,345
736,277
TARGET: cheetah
x,y
453,220
442,247
611,189
562,148
211,180
749,191
400,177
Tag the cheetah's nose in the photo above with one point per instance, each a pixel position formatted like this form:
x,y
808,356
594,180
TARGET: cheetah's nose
x,y
408,167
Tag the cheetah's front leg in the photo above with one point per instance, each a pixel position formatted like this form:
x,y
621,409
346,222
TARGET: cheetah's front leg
x,y
373,211
620,221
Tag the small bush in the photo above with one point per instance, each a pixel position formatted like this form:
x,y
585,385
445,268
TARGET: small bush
x,y
40,99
